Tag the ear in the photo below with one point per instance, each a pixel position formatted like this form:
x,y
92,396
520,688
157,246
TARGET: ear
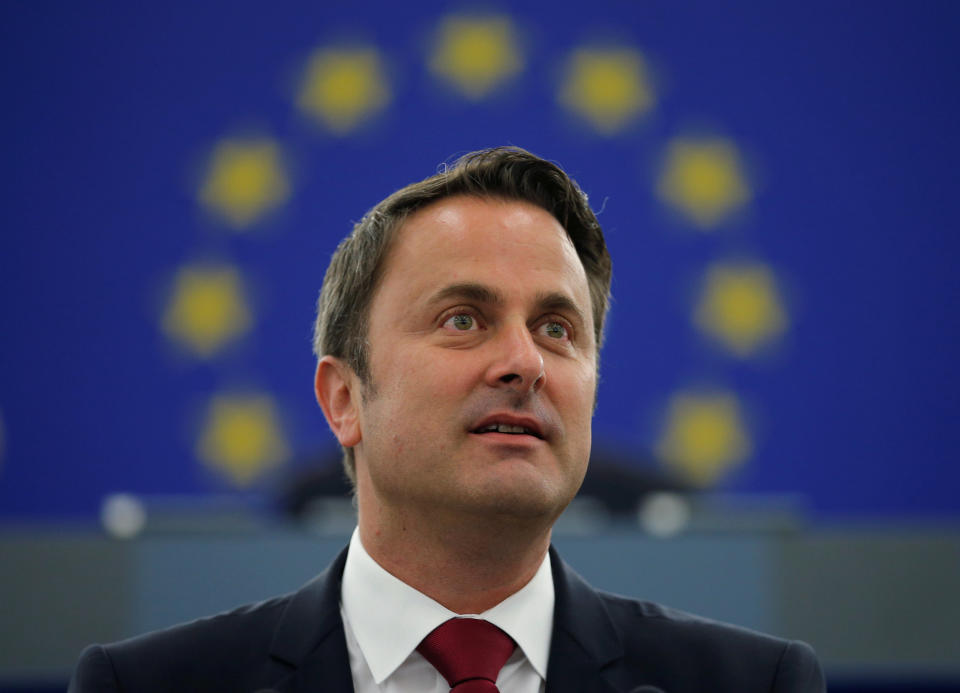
x,y
338,393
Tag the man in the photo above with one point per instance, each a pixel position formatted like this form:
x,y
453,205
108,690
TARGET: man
x,y
458,337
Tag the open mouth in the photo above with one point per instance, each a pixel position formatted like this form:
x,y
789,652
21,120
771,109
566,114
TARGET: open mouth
x,y
510,429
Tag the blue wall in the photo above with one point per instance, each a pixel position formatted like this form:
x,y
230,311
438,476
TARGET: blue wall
x,y
841,121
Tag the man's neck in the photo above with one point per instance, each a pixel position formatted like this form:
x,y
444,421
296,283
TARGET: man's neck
x,y
468,565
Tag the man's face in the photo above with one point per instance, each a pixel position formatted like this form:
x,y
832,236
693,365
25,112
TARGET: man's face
x,y
482,364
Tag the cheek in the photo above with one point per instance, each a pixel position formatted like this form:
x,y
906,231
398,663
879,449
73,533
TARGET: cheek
x,y
412,386
414,396
436,375
578,391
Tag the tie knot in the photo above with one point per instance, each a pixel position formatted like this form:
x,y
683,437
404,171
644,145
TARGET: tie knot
x,y
465,649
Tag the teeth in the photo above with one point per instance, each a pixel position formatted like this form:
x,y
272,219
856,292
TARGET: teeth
x,y
505,428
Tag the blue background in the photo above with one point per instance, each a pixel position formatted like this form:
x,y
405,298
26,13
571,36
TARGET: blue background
x,y
846,112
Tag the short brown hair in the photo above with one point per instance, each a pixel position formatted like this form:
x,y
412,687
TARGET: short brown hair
x,y
507,173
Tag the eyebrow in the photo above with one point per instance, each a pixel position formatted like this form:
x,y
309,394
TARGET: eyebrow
x,y
553,301
560,303
469,291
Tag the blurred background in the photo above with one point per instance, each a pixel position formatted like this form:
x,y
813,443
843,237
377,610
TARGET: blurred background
x,y
776,436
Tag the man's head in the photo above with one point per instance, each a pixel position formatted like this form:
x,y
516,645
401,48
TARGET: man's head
x,y
503,174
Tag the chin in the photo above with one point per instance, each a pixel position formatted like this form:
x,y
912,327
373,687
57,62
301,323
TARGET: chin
x,y
540,501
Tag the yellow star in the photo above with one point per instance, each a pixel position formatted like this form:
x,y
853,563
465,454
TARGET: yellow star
x,y
342,87
703,179
245,179
740,307
704,436
206,309
241,437
608,87
476,54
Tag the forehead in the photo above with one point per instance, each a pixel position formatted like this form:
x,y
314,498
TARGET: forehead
x,y
465,238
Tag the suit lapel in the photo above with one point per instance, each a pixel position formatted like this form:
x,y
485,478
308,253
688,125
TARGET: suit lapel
x,y
310,637
584,641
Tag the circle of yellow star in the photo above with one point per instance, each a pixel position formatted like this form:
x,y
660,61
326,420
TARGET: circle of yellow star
x,y
703,179
206,309
608,87
476,54
241,437
245,179
704,436
740,307
342,87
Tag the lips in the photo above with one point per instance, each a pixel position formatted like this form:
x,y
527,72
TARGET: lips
x,y
509,424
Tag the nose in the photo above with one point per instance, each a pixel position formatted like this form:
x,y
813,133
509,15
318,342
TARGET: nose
x,y
517,362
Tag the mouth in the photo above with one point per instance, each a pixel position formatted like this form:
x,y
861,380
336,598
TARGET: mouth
x,y
517,428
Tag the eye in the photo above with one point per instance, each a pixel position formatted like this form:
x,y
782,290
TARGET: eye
x,y
555,330
462,322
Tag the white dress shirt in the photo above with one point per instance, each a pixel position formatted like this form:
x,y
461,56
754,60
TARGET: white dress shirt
x,y
384,620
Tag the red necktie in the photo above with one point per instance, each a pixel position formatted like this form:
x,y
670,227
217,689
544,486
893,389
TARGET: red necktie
x,y
468,653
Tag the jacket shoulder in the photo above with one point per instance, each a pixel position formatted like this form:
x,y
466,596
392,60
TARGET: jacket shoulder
x,y
633,614
249,648
210,654
700,652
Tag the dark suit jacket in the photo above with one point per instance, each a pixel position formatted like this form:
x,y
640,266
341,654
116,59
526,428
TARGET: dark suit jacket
x,y
601,643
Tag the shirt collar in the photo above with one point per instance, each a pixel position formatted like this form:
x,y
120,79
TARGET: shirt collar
x,y
389,618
